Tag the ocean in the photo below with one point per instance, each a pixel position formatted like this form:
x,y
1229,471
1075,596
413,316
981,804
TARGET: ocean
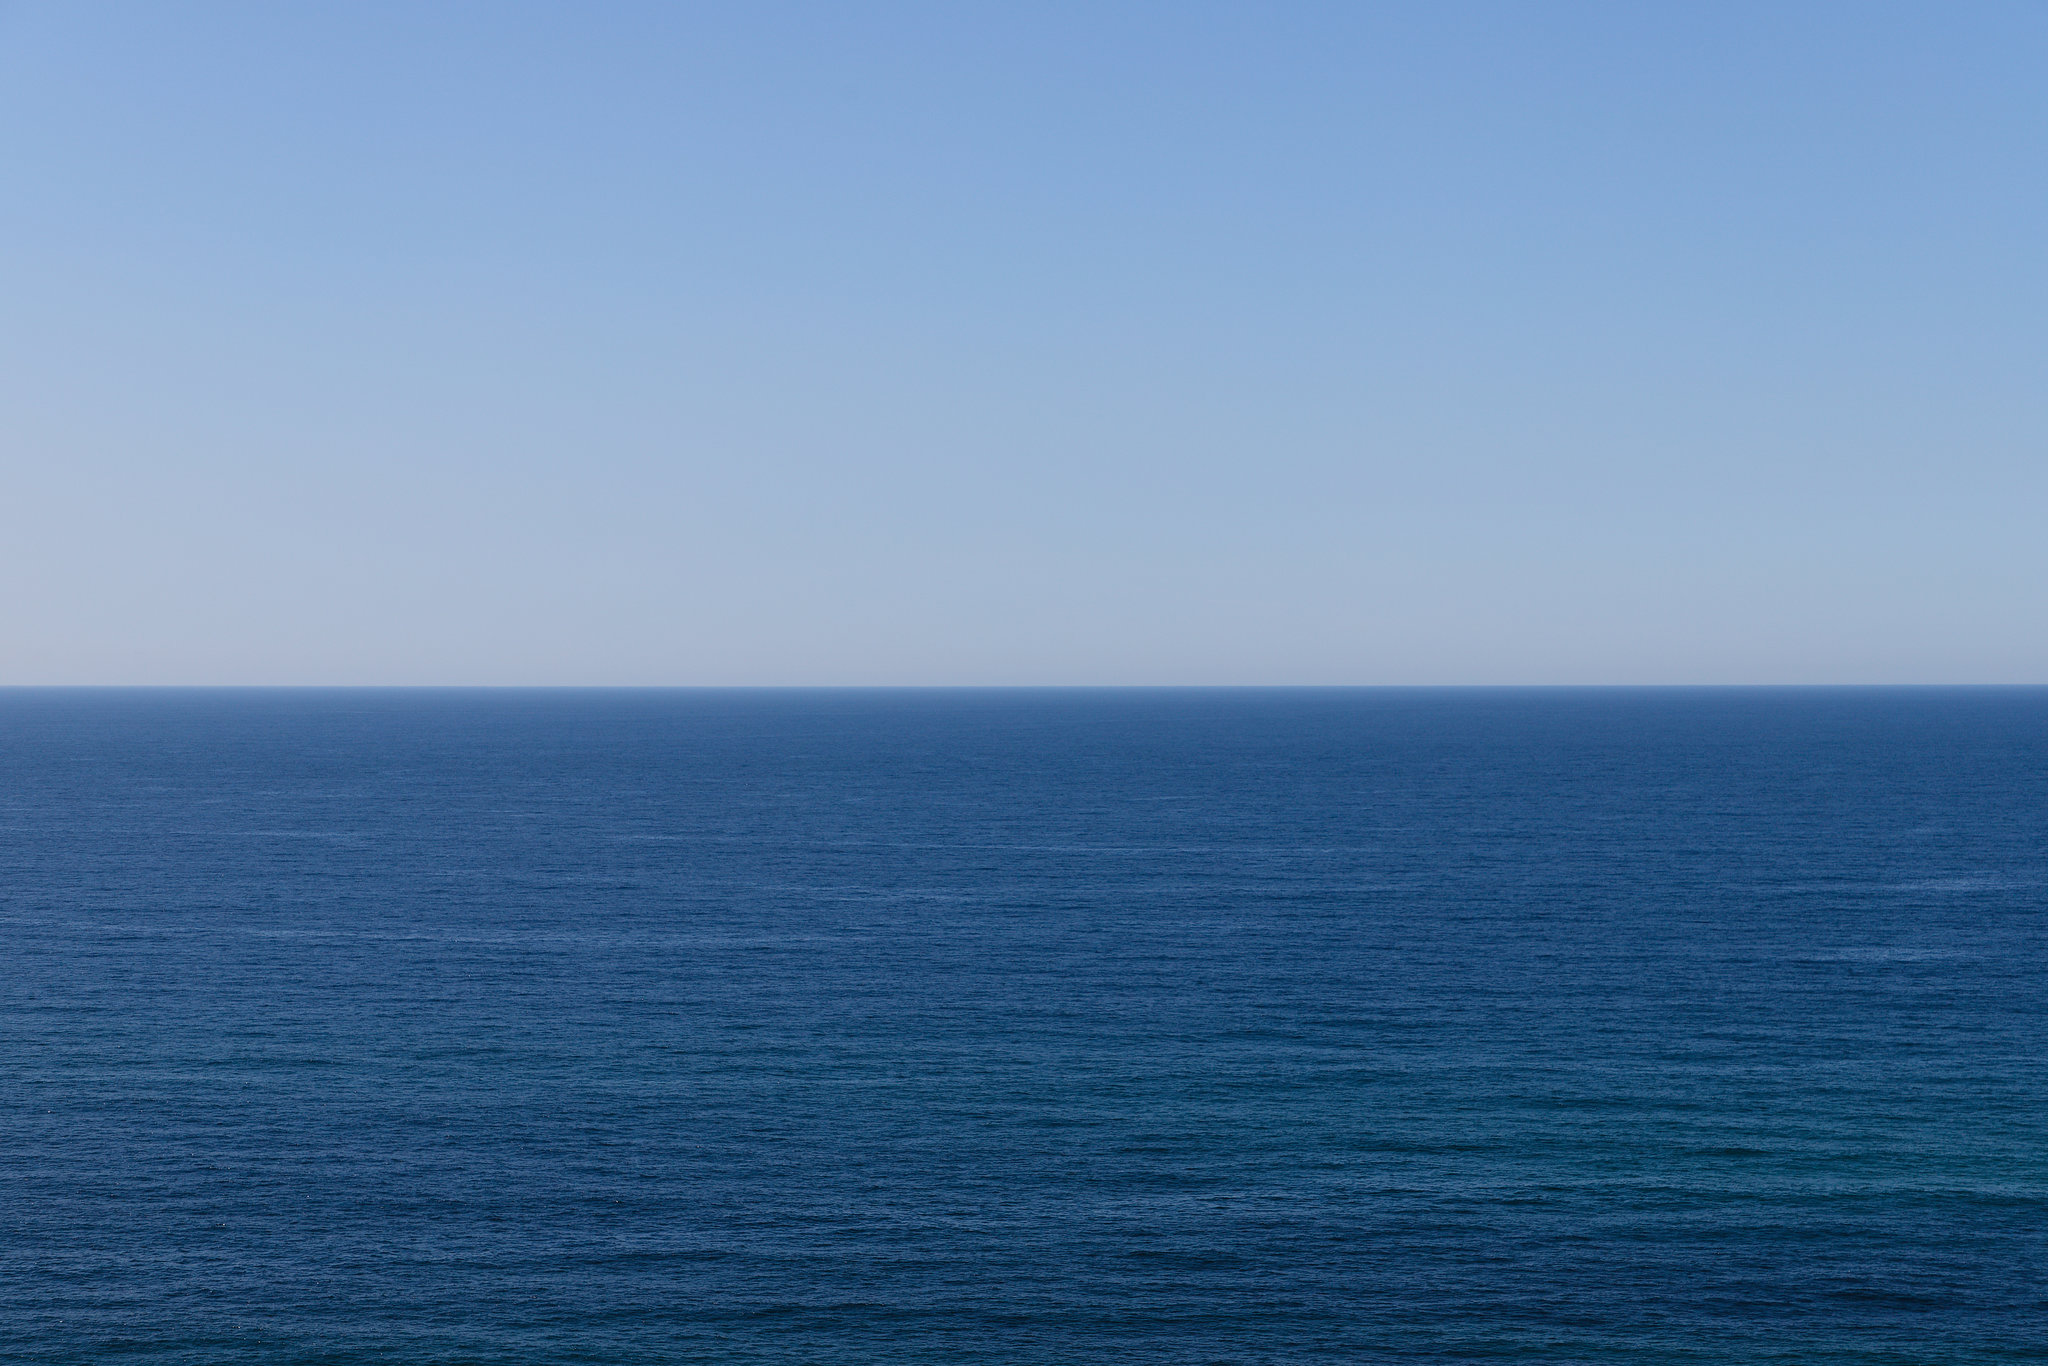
x,y
1190,1026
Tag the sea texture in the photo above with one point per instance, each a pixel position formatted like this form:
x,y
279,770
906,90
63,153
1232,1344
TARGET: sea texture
x,y
1177,1026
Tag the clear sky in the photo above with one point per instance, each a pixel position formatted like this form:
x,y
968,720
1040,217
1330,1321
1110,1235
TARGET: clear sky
x,y
1023,343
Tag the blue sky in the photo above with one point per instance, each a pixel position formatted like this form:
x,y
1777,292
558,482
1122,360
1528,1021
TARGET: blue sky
x,y
958,343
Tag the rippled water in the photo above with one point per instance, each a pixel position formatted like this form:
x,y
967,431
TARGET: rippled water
x,y
1024,1027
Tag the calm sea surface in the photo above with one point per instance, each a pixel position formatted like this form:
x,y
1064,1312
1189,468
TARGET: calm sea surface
x,y
1605,1026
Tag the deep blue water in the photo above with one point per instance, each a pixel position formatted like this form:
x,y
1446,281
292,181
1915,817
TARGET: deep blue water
x,y
1629,1026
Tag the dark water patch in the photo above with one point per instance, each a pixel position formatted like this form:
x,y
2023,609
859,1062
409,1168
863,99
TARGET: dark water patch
x,y
1048,1027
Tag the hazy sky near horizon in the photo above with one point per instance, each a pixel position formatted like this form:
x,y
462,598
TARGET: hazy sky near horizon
x,y
964,343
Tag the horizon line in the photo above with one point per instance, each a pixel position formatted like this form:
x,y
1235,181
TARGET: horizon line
x,y
1011,687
